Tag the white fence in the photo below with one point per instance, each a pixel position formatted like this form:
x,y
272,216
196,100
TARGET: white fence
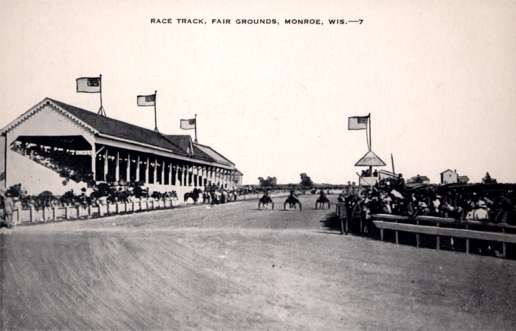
x,y
34,215
59,213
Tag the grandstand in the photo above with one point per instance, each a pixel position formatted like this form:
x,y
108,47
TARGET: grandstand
x,y
56,147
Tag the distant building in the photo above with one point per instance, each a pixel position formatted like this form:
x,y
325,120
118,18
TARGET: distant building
x,y
449,176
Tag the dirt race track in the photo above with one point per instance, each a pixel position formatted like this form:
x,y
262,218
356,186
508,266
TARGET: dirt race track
x,y
234,267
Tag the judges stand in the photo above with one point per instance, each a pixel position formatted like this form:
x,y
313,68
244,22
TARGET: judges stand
x,y
369,177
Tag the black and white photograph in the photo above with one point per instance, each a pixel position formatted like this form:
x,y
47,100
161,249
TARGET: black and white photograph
x,y
258,165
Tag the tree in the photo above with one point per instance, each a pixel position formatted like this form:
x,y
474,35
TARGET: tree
x,y
267,182
306,181
488,179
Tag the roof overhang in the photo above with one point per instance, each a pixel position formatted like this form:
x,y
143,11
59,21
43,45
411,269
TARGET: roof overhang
x,y
37,108
370,159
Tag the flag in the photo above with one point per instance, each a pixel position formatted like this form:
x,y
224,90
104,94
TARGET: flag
x,y
188,124
146,100
358,122
88,85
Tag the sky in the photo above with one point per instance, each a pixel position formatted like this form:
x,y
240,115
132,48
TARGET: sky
x,y
437,77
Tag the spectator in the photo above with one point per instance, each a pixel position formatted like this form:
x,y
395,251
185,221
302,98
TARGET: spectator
x,y
8,209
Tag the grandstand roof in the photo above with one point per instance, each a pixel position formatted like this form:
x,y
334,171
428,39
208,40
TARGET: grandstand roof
x,y
177,144
370,159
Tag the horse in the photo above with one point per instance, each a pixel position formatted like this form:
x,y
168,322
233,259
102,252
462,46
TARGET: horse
x,y
194,195
292,201
322,200
265,200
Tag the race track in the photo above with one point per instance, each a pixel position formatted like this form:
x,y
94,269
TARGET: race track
x,y
235,267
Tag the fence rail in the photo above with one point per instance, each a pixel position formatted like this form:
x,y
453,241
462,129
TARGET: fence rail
x,y
33,215
436,227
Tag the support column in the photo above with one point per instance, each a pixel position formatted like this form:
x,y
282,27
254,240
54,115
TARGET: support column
x,y
138,168
93,162
147,172
170,174
117,167
176,175
183,174
106,155
195,175
189,175
128,169
163,173
155,171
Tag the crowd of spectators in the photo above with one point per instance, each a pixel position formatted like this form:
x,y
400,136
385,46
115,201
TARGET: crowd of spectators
x,y
69,165
496,204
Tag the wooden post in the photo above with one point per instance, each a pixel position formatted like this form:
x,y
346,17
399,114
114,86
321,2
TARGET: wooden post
x,y
418,239
19,214
67,213
44,213
89,211
438,240
381,234
504,246
467,242
31,214
78,208
54,213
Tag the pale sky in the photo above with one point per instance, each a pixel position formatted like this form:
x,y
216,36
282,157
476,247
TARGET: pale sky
x,y
438,78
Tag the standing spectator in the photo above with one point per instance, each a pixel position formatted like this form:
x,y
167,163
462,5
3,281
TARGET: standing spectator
x,y
8,210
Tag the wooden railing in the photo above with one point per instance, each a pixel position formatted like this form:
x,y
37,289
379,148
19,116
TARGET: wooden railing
x,y
433,226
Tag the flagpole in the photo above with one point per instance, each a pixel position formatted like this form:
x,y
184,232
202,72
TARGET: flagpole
x,y
155,113
101,109
195,128
370,142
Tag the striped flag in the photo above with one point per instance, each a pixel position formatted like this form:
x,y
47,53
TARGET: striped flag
x,y
358,122
187,124
146,100
88,85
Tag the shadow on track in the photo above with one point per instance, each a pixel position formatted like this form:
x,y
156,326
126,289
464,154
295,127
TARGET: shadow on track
x,y
331,222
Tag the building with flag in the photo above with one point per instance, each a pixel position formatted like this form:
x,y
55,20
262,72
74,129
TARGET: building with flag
x,y
56,147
